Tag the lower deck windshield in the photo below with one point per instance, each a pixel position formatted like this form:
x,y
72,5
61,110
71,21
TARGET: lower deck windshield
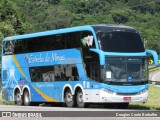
x,y
124,70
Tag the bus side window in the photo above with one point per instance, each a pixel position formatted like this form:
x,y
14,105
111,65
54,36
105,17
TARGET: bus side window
x,y
5,75
91,64
72,73
20,46
48,76
73,40
35,74
47,73
57,72
33,45
44,43
75,73
58,42
8,48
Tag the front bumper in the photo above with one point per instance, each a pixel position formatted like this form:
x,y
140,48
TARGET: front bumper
x,y
114,97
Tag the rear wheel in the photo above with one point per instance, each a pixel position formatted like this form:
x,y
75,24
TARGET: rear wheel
x,y
18,98
80,99
69,99
26,95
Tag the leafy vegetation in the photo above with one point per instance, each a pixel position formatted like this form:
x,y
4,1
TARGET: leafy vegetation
x,y
27,16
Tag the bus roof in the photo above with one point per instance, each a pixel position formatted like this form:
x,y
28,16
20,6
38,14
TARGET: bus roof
x,y
104,27
66,30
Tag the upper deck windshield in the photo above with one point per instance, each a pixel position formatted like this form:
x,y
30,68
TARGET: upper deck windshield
x,y
120,41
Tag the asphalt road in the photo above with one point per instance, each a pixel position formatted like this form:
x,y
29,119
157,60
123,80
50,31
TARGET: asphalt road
x,y
63,113
45,108
155,76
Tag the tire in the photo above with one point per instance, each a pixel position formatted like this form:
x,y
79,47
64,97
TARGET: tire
x,y
26,98
109,105
122,105
69,99
18,98
80,99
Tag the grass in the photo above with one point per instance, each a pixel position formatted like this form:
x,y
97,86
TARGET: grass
x,y
153,100
5,102
0,97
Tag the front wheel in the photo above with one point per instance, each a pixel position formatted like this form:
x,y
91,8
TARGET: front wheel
x,y
80,99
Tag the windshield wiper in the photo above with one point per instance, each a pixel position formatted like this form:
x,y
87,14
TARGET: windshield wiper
x,y
109,82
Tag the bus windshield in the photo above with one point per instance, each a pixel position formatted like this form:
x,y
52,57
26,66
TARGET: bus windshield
x,y
120,41
125,70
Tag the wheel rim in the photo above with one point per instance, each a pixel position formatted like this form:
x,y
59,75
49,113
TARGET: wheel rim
x,y
26,98
18,98
80,98
69,98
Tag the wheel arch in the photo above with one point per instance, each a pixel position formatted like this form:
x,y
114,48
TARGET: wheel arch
x,y
65,88
77,87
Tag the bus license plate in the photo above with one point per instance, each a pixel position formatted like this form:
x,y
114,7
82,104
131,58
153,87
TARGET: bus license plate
x,y
127,98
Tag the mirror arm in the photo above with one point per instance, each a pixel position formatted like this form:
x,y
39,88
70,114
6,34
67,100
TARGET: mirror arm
x,y
155,56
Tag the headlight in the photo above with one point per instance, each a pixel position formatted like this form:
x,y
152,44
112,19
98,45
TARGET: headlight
x,y
142,92
108,91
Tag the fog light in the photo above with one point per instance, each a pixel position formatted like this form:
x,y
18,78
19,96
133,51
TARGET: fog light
x,y
104,98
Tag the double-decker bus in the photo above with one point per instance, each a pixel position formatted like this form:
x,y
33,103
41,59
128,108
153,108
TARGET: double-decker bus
x,y
76,66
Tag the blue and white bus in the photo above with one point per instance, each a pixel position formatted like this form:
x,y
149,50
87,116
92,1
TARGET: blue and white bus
x,y
76,66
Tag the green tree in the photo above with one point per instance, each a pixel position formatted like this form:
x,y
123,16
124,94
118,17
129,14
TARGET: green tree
x,y
27,16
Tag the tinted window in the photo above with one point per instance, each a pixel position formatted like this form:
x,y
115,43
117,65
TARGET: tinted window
x,y
120,41
54,73
127,70
20,46
73,40
5,75
47,43
8,48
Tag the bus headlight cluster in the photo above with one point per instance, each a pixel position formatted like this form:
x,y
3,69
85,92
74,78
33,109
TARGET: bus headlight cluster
x,y
142,92
108,91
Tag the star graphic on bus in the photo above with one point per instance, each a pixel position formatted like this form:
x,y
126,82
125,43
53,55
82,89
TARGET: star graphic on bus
x,y
26,59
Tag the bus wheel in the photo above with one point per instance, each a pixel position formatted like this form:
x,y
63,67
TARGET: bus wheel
x,y
69,99
80,99
18,98
26,98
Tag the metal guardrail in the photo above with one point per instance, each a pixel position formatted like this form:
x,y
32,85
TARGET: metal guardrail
x,y
154,82
153,67
0,85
